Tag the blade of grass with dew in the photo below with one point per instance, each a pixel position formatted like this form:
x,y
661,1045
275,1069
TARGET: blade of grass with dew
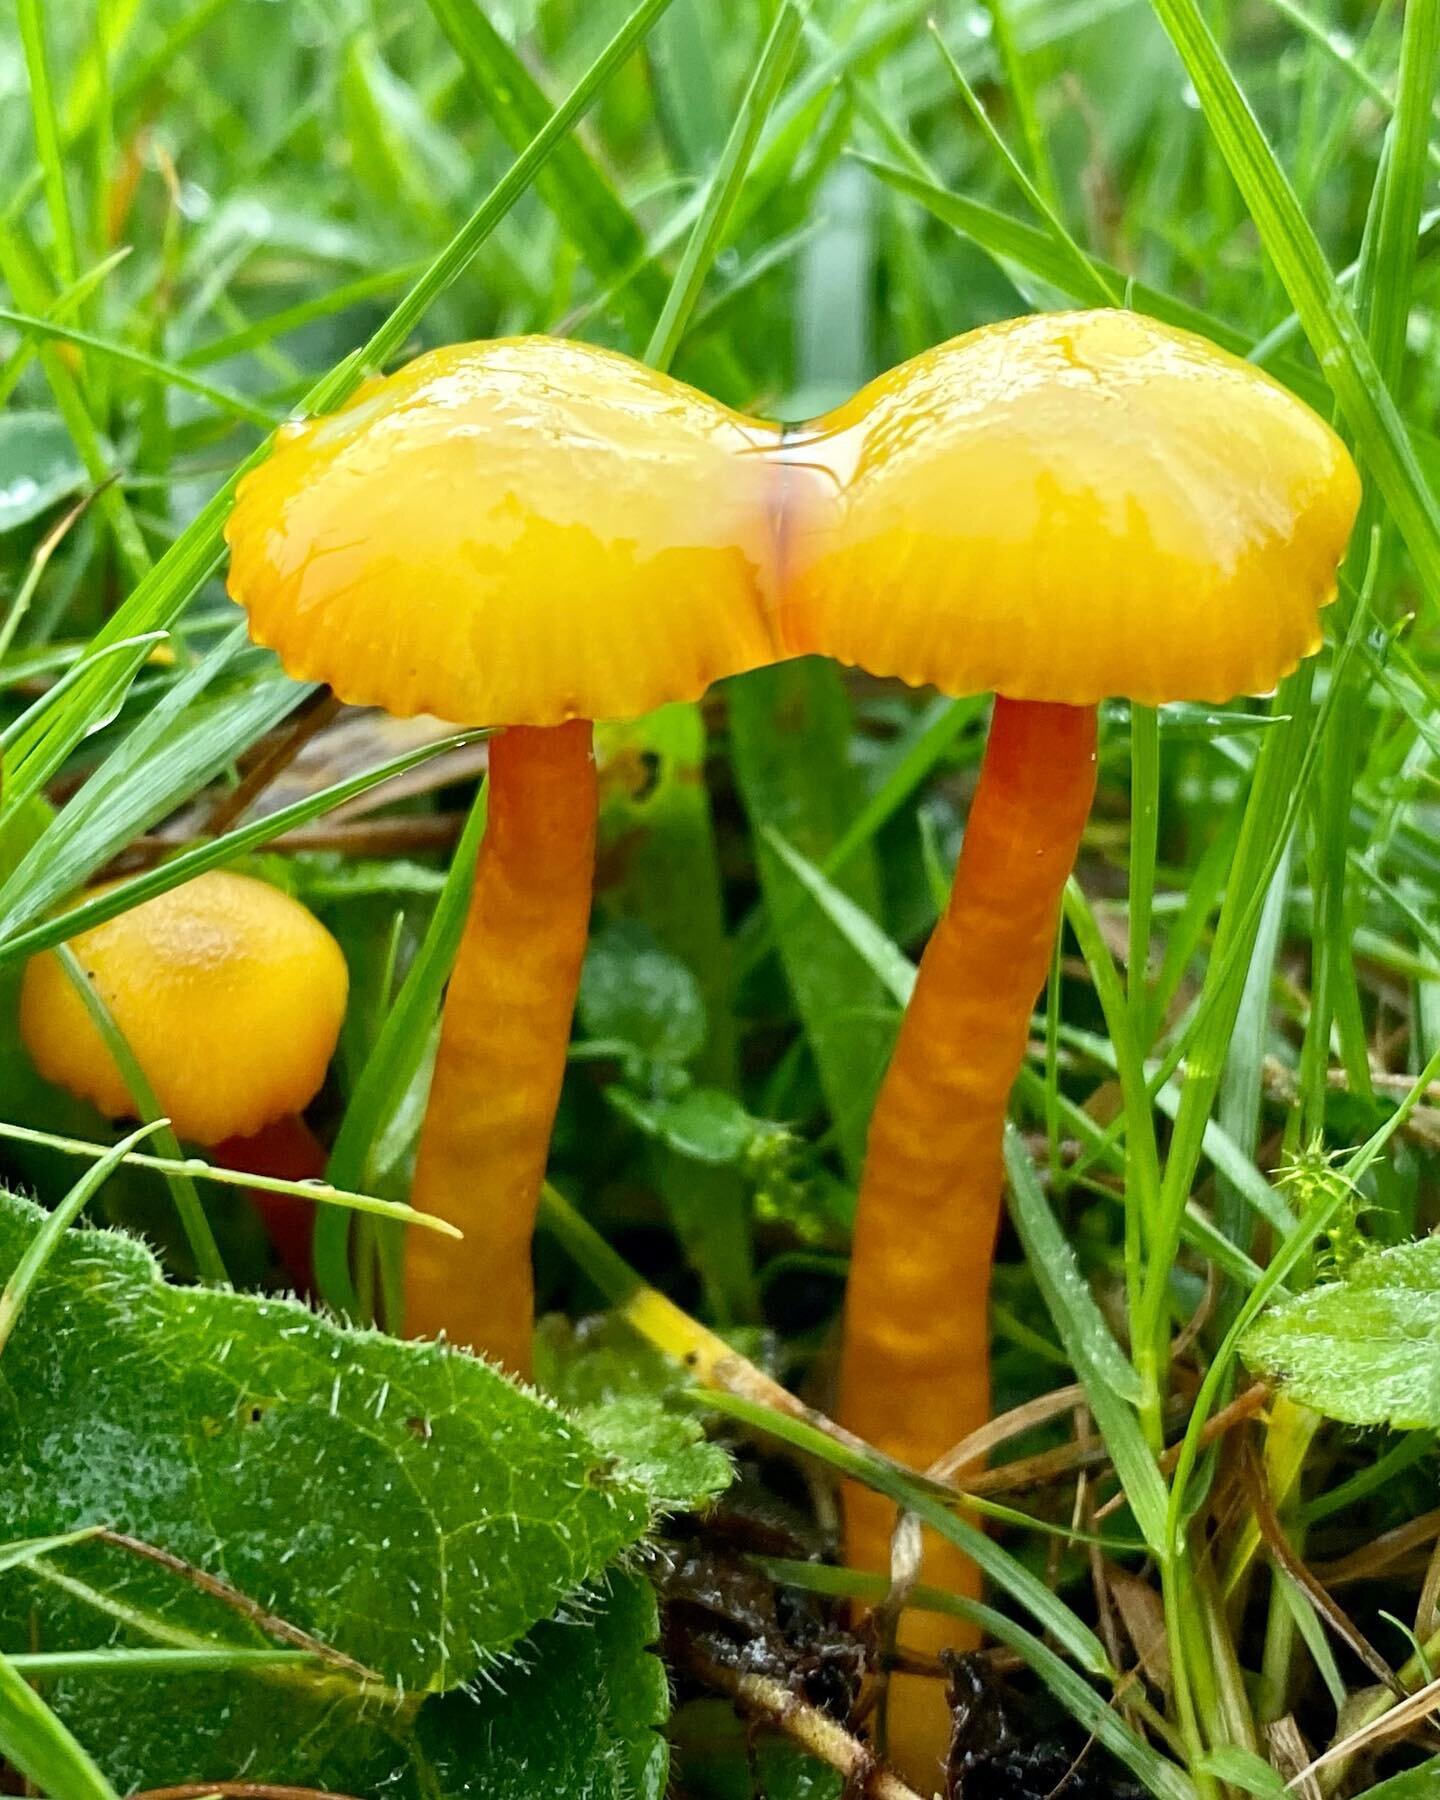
x,y
223,399
1345,357
213,853
28,286
1111,1388
725,184
34,1741
319,1193
209,1264
42,1246
1084,271
76,672
1331,44
46,125
168,588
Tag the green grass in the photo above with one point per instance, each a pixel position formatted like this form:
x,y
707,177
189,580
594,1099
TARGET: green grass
x,y
221,213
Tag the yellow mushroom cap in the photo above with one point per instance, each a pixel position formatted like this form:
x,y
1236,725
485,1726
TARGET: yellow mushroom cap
x,y
229,993
1068,507
517,532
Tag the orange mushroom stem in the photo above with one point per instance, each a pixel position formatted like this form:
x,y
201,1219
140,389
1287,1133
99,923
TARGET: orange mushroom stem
x,y
503,1043
916,1364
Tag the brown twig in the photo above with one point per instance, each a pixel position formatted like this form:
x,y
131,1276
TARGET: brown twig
x,y
263,1620
1285,1554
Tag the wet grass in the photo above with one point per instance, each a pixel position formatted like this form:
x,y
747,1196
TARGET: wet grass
x,y
220,213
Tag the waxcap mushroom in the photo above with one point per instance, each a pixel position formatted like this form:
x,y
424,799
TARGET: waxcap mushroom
x,y
229,992
533,534
1068,507
519,532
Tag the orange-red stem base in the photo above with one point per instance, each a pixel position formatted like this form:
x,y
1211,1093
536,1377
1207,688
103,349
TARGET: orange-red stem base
x,y
290,1151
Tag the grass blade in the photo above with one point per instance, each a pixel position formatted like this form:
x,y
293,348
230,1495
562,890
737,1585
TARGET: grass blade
x,y
1335,336
214,853
40,1747
725,184
163,594
209,1264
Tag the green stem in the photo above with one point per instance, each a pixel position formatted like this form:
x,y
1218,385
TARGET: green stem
x,y
1188,1651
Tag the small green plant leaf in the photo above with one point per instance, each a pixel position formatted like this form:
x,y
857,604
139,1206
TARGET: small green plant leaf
x,y
1412,1784
622,1392
262,1444
1364,1349
703,1124
634,992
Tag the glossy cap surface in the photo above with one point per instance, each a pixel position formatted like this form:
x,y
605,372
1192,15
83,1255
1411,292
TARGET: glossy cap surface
x,y
1068,507
512,533
229,992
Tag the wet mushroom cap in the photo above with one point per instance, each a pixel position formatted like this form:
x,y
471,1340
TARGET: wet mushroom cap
x,y
517,532
1068,507
230,994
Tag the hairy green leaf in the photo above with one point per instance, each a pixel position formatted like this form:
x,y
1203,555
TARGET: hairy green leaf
x,y
1364,1349
402,1502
